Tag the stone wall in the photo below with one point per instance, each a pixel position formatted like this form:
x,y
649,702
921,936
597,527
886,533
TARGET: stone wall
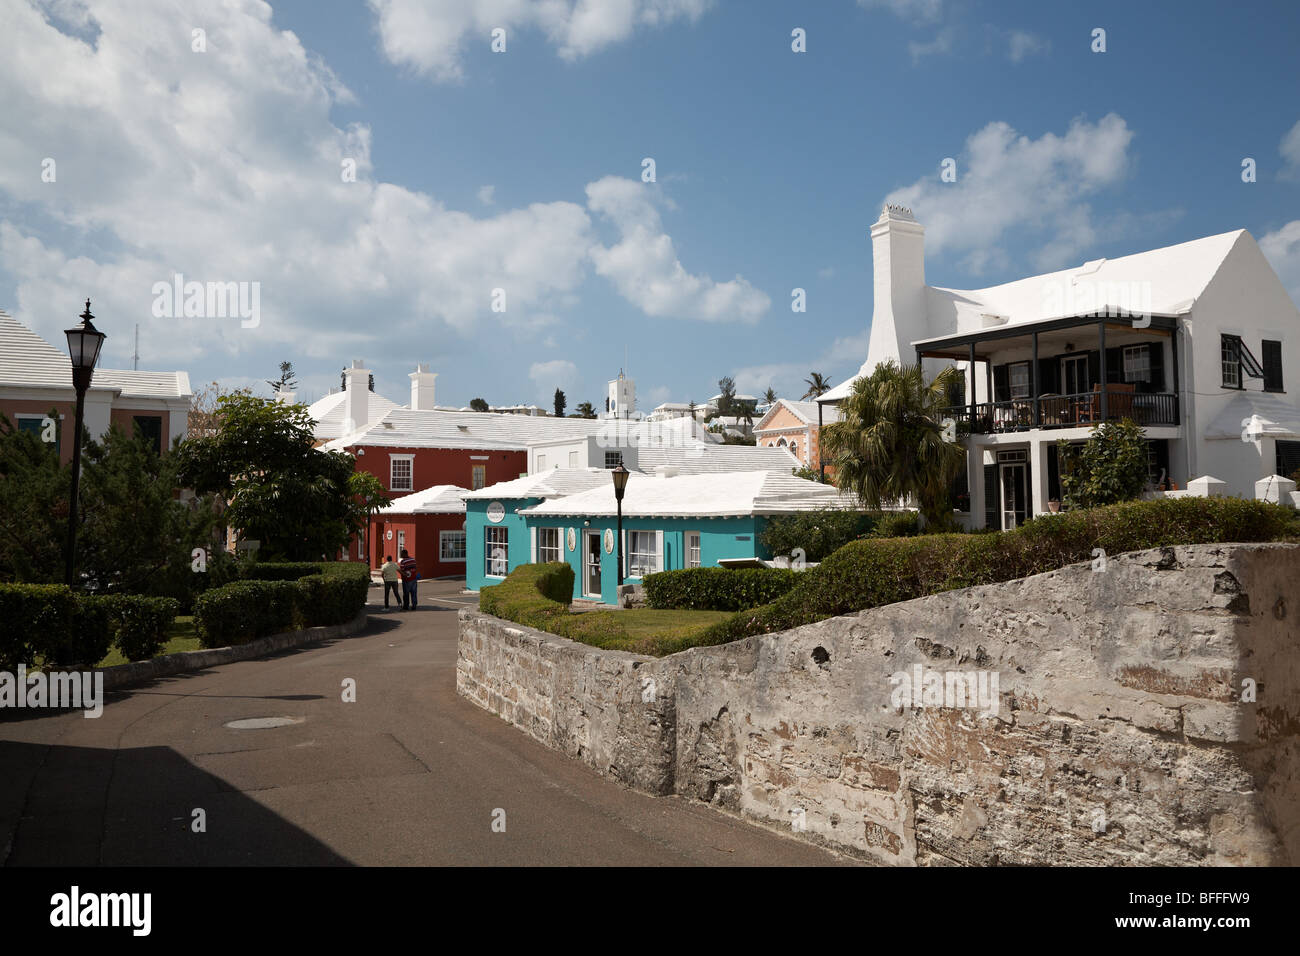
x,y
1120,735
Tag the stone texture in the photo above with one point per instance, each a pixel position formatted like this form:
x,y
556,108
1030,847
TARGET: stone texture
x,y
1121,736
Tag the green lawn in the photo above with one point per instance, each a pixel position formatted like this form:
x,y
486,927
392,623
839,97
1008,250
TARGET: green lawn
x,y
653,632
181,637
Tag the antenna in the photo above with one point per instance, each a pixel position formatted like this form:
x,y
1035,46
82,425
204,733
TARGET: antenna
x,y
135,359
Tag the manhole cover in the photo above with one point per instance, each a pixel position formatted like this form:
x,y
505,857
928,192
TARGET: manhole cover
x,y
262,723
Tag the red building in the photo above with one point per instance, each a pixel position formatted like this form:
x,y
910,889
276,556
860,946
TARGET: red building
x,y
430,524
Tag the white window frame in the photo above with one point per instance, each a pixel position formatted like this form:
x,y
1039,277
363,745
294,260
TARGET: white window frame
x,y
1230,360
541,462
543,548
1021,390
477,477
617,457
656,554
443,537
1137,363
409,461
401,543
496,536
692,553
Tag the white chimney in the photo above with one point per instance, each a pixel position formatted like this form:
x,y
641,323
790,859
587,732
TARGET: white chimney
x,y
356,406
899,317
422,381
286,396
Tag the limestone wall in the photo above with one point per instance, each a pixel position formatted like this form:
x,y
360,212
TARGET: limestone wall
x,y
1119,733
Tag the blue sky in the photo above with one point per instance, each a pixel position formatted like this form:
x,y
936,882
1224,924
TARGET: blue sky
x,y
522,171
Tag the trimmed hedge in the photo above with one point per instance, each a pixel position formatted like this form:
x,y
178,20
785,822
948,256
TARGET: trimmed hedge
x,y
50,624
871,573
717,589
279,570
538,596
329,593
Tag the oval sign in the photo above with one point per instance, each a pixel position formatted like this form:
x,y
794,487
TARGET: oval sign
x,y
496,512
572,539
390,534
609,540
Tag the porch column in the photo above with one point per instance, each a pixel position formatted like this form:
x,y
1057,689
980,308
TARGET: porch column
x,y
971,376
975,481
1105,379
1038,474
1033,383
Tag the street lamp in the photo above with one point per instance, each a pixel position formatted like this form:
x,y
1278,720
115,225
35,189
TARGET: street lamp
x,y
620,483
84,343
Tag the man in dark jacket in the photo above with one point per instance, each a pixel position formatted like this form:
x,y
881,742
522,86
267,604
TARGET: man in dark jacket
x,y
410,579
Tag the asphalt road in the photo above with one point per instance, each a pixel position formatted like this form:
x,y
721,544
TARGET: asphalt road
x,y
408,774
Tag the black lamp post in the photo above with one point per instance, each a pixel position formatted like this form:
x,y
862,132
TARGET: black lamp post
x,y
620,483
84,343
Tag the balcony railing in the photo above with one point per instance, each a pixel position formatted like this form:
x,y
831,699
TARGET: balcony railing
x,y
1069,411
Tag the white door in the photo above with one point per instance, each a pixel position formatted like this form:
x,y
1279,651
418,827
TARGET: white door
x,y
1013,495
591,579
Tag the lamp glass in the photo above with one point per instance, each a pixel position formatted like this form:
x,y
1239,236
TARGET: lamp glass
x,y
84,343
620,480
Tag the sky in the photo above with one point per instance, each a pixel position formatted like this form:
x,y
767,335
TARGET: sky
x,y
620,184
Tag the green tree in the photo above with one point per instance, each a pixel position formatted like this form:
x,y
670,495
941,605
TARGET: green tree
x,y
295,499
586,410
726,396
478,405
560,403
889,444
286,382
1110,467
818,533
810,474
34,491
817,384
769,396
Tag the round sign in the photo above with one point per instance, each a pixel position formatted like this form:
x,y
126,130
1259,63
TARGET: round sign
x,y
390,534
572,539
496,512
609,540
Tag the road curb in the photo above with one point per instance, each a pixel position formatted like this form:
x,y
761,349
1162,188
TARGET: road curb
x,y
124,675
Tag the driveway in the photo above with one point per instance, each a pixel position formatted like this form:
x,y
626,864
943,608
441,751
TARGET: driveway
x,y
408,774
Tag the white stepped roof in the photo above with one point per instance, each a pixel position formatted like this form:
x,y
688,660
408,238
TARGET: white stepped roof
x,y
405,428
438,499
732,494
328,412
717,459
28,361
544,484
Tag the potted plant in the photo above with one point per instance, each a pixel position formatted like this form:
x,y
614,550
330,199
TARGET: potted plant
x,y
1054,506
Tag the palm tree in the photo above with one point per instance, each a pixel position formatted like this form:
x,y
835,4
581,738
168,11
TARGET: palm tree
x,y
585,410
889,445
817,385
770,396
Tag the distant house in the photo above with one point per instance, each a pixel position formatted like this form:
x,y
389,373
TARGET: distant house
x,y
36,377
430,524
794,426
682,521
1191,341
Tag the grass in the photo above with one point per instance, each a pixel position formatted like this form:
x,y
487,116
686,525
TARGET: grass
x,y
650,631
181,637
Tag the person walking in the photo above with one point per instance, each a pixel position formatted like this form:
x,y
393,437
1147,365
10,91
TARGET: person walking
x,y
391,573
410,578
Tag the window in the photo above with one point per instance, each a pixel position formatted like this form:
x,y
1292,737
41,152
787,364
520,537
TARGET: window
x,y
399,476
613,459
794,448
451,545
36,425
478,477
1272,366
548,545
149,427
1019,378
573,459
541,462
692,549
401,543
643,553
496,552
1230,349
1137,363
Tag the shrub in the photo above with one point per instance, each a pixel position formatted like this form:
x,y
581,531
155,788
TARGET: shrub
x,y
818,533
874,572
279,570
1110,467
717,589
243,610
140,623
897,524
538,595
327,599
35,619
91,633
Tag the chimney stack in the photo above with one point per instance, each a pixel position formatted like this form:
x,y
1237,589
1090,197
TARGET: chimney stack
x,y
900,315
356,405
422,382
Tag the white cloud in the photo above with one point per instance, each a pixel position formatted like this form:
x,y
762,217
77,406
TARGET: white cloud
x,y
1290,150
643,264
915,11
430,36
486,194
1023,44
941,44
225,166
826,272
787,378
1282,249
1009,185
548,376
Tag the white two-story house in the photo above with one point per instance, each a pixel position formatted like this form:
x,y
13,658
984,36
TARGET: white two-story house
x,y
1199,343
